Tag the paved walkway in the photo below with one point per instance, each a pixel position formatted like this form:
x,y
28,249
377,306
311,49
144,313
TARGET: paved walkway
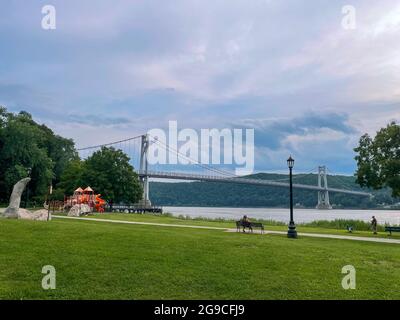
x,y
143,223
301,234
330,236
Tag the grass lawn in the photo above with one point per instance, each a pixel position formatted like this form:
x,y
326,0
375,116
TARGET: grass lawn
x,y
96,260
231,224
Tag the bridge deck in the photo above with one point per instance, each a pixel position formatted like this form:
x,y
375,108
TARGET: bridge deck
x,y
240,180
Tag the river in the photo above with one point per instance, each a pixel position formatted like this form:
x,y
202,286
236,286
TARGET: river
x,y
277,214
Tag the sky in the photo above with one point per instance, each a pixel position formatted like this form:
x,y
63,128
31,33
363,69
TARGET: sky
x,y
309,86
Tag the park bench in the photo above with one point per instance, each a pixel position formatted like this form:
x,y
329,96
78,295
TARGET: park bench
x,y
392,229
249,225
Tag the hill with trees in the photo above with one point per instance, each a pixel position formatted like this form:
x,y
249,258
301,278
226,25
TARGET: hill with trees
x,y
240,195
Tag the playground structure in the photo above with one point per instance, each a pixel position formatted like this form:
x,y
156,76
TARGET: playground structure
x,y
87,197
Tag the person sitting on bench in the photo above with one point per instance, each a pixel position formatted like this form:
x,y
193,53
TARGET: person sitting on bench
x,y
246,223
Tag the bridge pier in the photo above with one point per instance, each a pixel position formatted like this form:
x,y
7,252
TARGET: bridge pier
x,y
144,178
323,195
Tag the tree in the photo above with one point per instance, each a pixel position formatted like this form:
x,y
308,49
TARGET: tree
x,y
378,159
71,177
60,150
21,152
26,146
109,172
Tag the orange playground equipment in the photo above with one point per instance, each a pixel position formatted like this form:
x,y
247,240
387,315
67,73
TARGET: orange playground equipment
x,y
85,196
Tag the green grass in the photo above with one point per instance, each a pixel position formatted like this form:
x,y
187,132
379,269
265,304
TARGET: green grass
x,y
97,260
336,227
341,224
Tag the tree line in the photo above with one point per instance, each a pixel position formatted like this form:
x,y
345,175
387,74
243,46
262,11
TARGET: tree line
x,y
31,149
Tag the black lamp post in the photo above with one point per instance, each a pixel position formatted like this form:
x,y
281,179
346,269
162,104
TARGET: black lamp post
x,y
292,233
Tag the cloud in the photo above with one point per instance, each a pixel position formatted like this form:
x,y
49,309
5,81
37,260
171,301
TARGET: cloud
x,y
115,69
96,120
272,133
313,139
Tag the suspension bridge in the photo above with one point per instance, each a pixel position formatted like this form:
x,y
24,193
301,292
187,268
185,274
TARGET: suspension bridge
x,y
137,149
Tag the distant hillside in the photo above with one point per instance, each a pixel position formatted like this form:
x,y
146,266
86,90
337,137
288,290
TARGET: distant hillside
x,y
238,195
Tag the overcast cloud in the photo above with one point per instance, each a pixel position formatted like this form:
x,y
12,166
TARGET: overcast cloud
x,y
287,68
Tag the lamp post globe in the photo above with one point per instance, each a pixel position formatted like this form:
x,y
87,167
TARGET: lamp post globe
x,y
290,162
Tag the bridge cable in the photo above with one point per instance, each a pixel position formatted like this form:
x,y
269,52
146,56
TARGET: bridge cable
x,y
108,144
297,176
340,183
196,162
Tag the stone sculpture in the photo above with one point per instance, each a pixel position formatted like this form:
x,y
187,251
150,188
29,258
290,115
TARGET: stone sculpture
x,y
15,199
14,211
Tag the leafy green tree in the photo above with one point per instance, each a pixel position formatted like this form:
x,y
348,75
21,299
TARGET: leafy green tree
x,y
71,177
4,115
60,150
21,152
378,159
28,147
14,173
109,172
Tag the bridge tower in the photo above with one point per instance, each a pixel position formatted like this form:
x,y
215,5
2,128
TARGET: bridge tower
x,y
323,195
144,178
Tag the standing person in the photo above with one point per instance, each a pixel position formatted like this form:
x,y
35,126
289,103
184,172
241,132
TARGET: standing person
x,y
374,225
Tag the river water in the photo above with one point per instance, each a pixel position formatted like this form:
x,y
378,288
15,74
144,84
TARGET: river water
x,y
300,215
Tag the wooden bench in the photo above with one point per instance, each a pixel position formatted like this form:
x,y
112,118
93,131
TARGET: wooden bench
x,y
249,225
392,229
